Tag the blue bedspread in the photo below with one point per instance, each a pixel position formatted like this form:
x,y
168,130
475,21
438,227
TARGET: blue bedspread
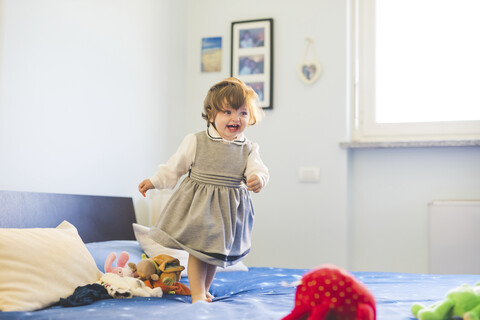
x,y
260,294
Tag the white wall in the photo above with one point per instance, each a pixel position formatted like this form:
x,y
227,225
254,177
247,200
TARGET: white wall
x,y
85,92
95,93
369,210
297,224
390,191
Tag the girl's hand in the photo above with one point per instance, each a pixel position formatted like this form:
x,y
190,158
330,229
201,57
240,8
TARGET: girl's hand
x,y
144,186
254,183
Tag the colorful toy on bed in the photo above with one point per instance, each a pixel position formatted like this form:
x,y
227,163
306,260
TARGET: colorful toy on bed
x,y
331,292
162,271
462,302
147,269
175,288
122,269
163,267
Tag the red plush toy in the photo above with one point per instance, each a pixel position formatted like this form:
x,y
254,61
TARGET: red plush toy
x,y
329,292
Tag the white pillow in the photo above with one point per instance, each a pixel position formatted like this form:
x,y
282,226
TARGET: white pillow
x,y
41,265
153,249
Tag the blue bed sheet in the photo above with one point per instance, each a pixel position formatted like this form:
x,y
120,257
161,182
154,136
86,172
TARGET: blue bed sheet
x,y
260,294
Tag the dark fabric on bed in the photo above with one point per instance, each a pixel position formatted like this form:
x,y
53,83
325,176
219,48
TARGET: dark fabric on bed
x,y
85,295
259,294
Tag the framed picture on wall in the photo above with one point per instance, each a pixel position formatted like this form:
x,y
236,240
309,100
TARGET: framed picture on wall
x,y
252,57
211,54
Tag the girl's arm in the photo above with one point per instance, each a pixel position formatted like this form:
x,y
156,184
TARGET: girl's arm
x,y
256,172
168,174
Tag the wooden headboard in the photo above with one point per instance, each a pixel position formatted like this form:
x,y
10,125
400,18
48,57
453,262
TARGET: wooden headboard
x,y
96,218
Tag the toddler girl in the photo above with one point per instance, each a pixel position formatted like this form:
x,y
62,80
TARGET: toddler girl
x,y
211,214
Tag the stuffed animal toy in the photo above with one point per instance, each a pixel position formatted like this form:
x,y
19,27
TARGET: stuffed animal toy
x,y
133,268
461,302
147,269
121,269
127,287
175,288
170,269
163,267
329,292
162,271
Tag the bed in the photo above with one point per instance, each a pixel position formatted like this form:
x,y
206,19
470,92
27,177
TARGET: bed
x,y
104,225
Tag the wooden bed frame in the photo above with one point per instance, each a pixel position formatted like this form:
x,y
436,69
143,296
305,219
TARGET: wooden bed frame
x,y
97,218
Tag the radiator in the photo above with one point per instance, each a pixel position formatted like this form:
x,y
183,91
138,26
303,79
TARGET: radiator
x,y
454,237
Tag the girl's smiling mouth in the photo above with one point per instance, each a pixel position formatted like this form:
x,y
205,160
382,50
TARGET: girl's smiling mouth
x,y
233,126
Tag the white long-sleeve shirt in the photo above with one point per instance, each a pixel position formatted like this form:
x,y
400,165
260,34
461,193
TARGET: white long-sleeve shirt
x,y
168,174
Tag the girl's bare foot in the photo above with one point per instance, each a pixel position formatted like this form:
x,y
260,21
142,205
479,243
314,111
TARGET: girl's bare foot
x,y
210,296
202,298
196,299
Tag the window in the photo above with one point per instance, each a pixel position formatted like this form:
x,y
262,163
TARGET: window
x,y
416,70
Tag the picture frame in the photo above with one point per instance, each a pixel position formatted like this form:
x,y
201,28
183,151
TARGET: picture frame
x,y
252,57
211,54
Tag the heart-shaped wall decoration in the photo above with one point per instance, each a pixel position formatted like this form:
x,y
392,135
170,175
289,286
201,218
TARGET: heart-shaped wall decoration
x,y
310,71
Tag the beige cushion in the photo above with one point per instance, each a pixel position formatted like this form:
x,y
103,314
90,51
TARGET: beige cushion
x,y
153,249
41,265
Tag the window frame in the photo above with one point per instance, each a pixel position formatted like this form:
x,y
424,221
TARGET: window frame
x,y
363,126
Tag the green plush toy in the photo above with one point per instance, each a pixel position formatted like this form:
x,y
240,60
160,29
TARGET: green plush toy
x,y
462,302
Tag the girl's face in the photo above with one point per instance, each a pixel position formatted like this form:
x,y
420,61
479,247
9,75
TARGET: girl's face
x,y
230,123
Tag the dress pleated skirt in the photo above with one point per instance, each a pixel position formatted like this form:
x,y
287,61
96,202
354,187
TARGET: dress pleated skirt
x,y
211,217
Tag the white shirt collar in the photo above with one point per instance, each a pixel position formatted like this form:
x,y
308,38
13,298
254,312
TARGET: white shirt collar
x,y
213,134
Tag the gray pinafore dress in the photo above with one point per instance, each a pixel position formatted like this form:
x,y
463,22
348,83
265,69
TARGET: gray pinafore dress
x,y
211,214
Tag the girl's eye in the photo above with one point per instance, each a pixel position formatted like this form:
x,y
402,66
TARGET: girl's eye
x,y
244,113
227,112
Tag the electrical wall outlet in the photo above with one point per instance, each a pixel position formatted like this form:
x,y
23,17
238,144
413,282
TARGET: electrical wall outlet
x,y
309,174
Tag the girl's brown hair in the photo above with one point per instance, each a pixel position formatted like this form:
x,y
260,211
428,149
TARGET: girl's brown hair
x,y
234,93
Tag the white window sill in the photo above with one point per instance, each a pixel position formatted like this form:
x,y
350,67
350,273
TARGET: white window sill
x,y
410,144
